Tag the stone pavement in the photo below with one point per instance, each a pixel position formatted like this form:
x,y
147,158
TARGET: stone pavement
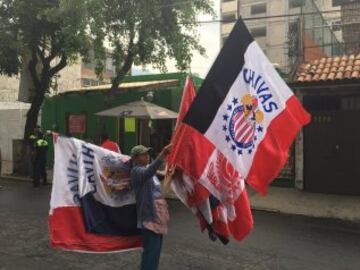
x,y
278,241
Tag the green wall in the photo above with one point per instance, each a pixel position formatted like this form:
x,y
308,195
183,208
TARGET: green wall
x,y
57,108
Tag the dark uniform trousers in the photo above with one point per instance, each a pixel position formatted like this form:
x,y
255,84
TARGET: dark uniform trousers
x,y
40,162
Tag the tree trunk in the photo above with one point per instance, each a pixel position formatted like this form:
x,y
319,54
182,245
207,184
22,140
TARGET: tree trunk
x,y
116,82
33,114
122,73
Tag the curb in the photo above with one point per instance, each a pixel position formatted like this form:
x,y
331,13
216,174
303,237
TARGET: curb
x,y
310,215
16,178
265,209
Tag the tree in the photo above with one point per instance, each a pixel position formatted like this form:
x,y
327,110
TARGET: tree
x,y
55,33
147,32
52,32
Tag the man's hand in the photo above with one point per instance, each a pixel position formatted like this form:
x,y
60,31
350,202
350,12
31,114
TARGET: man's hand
x,y
165,152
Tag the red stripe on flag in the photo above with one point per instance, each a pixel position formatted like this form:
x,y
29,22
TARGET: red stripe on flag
x,y
240,133
191,143
188,142
272,152
243,224
250,138
73,236
246,135
191,154
239,120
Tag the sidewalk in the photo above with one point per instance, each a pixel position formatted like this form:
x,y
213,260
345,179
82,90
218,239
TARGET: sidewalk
x,y
15,178
26,178
293,201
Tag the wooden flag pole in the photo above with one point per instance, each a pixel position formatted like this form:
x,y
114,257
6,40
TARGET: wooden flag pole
x,y
167,180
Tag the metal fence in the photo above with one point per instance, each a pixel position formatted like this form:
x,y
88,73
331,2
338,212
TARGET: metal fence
x,y
309,33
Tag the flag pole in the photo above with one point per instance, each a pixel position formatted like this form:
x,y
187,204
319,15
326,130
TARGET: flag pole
x,y
169,171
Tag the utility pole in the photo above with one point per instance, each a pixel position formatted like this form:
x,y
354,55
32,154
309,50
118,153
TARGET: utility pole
x,y
238,9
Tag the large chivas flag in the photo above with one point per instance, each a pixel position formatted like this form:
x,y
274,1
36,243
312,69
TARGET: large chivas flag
x,y
92,207
238,129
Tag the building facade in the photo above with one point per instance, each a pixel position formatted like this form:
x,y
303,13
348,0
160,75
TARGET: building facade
x,y
285,39
13,113
327,155
76,75
350,24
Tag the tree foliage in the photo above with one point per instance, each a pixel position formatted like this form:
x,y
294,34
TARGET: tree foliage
x,y
52,33
52,30
147,32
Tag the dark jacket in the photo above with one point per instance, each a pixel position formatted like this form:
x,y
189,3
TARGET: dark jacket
x,y
145,190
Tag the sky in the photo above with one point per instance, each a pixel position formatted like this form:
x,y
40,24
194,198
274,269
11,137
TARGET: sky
x,y
209,39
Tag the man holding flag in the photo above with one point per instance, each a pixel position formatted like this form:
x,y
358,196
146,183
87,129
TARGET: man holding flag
x,y
152,212
236,130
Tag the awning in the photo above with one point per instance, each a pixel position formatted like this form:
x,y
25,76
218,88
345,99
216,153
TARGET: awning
x,y
140,110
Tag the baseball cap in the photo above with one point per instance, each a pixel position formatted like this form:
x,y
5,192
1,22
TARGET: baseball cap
x,y
139,150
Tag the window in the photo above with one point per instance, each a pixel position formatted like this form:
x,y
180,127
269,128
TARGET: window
x,y
257,9
89,65
109,65
342,2
336,26
258,32
296,3
231,17
90,61
86,82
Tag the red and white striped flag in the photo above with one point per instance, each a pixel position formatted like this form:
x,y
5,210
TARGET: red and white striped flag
x,y
238,128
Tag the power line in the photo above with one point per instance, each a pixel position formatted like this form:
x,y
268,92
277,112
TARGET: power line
x,y
287,47
327,25
179,3
278,16
295,19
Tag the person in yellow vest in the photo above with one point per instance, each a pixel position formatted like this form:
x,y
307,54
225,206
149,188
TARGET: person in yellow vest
x,y
41,147
34,136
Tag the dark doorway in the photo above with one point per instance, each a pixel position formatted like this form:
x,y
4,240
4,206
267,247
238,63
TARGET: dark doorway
x,y
332,151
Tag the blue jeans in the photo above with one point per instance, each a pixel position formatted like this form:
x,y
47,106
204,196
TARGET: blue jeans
x,y
152,248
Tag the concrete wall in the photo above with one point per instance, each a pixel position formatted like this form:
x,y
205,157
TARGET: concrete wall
x,y
276,37
229,6
12,123
70,77
9,88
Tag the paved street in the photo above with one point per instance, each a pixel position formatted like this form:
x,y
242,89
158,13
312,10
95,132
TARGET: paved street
x,y
277,242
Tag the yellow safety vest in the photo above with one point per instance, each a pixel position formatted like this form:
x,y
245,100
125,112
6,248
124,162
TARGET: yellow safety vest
x,y
41,143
